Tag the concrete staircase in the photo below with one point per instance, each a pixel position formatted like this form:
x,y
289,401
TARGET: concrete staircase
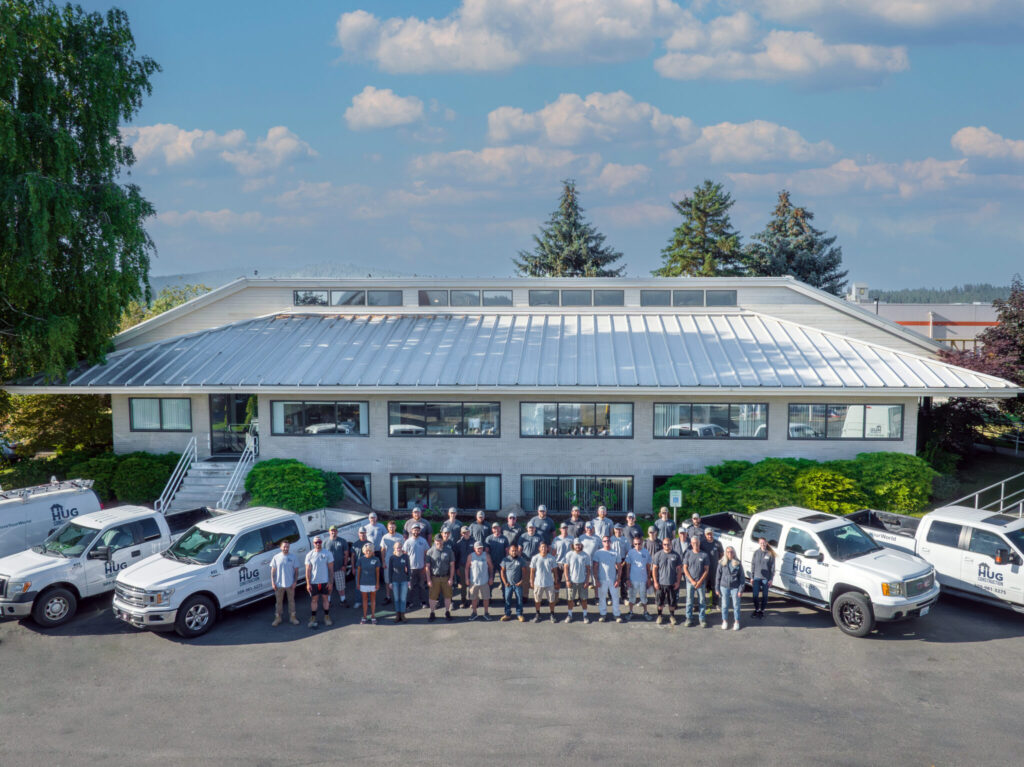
x,y
204,485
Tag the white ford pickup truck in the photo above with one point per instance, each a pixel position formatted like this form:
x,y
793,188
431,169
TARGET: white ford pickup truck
x,y
977,554
828,562
219,564
82,558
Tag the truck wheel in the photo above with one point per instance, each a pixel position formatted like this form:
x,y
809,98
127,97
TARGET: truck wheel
x,y
852,613
54,607
195,617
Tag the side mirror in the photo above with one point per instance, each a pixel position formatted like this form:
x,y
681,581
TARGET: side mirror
x,y
813,554
1002,556
233,562
100,552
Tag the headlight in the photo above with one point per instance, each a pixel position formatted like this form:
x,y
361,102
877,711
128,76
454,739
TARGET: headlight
x,y
896,589
18,587
159,597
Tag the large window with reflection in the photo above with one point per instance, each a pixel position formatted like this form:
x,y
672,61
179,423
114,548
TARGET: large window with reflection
x,y
304,419
562,492
576,419
703,420
478,492
838,421
444,419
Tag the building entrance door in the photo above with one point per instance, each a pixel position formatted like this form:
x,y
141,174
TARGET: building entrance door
x,y
230,416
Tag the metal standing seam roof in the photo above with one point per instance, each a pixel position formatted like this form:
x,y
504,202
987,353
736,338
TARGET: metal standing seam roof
x,y
692,351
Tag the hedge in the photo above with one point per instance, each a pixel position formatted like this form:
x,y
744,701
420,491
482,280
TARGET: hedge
x,y
140,478
286,483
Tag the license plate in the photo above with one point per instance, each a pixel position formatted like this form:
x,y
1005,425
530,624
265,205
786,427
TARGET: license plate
x,y
924,610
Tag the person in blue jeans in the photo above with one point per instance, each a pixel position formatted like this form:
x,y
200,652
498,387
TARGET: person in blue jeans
x,y
399,573
762,570
696,567
729,586
513,570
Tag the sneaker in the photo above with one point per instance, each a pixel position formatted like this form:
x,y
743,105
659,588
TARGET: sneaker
x,y
362,621
736,627
373,621
432,618
586,619
277,621
690,623
472,616
397,618
294,621
725,625
568,618
487,617
661,620
603,619
312,623
619,620
328,621
536,618
703,624
447,615
648,617
506,618
520,618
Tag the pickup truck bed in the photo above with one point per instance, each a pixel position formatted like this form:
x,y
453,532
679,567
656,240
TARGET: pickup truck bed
x,y
181,521
728,522
897,524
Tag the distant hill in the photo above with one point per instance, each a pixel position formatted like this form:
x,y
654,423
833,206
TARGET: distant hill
x,y
218,277
962,294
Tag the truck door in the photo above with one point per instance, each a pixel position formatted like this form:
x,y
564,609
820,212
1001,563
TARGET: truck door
x,y
123,550
286,530
246,568
771,532
980,572
799,574
941,548
149,534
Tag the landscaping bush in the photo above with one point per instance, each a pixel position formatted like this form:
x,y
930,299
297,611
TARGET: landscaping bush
x,y
140,478
702,494
824,490
334,489
286,483
727,471
895,481
100,470
766,485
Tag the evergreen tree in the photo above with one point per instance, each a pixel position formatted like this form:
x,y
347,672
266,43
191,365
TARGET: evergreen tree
x,y
791,245
704,244
569,246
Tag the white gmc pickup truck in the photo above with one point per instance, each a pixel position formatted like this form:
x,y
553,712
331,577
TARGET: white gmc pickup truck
x,y
828,562
219,564
82,558
977,554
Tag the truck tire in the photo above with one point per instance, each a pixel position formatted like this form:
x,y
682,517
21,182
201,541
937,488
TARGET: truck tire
x,y
54,607
852,614
195,617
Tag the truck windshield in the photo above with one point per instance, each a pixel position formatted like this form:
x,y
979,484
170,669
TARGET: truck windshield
x,y
70,541
847,541
1017,539
199,546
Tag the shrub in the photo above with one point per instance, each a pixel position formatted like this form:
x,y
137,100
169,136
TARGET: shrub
x,y
895,481
334,489
702,494
287,484
767,484
139,479
825,490
727,471
100,470
27,472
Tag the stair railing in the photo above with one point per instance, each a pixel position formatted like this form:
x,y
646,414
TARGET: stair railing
x,y
188,457
245,462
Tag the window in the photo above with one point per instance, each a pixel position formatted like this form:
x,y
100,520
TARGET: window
x,y
577,298
309,297
609,298
720,298
846,421
798,541
561,493
444,419
442,491
384,297
298,419
465,297
246,547
149,529
433,298
770,531
357,486
153,414
945,534
543,298
687,298
348,298
984,542
693,420
278,532
576,419
497,298
120,537
655,298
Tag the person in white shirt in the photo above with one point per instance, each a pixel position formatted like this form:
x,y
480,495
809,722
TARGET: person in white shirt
x,y
375,531
638,564
542,580
602,525
319,581
284,572
578,567
607,569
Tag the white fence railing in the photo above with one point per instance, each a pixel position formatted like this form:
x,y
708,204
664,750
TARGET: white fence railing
x,y
245,462
188,457
1006,495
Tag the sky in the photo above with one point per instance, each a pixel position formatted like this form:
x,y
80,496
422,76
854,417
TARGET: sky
x,y
432,137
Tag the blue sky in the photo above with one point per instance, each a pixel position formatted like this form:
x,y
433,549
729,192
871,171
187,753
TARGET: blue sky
x,y
431,137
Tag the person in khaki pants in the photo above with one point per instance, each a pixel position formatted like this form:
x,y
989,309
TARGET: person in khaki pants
x,y
284,572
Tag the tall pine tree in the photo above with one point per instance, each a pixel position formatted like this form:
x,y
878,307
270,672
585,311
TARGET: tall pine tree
x,y
791,245
704,244
569,246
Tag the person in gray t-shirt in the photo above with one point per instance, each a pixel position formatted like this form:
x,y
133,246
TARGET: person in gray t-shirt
x,y
416,547
666,572
542,580
479,530
368,578
696,567
497,547
578,570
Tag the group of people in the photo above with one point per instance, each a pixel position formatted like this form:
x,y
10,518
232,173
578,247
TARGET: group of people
x,y
612,561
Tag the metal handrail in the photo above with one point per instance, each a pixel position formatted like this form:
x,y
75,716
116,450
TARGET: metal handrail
x,y
974,499
188,457
245,462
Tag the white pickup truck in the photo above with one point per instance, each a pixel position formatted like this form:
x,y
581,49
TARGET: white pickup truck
x,y
219,564
82,558
977,554
828,562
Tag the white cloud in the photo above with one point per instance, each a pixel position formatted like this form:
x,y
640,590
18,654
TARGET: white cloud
x,y
982,142
382,108
900,13
506,164
755,141
639,213
695,53
572,120
219,220
614,178
488,35
322,194
279,146
176,145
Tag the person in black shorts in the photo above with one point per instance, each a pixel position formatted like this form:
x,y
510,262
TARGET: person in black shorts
x,y
667,571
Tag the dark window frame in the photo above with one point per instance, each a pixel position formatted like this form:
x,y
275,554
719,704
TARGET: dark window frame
x,y
620,296
645,297
462,419
401,297
424,295
631,477
453,291
579,292
161,429
632,420
360,293
862,438
557,296
428,474
304,433
484,297
767,420
325,291
733,302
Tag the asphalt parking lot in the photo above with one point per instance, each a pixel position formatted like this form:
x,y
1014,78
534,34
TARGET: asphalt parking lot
x,y
944,690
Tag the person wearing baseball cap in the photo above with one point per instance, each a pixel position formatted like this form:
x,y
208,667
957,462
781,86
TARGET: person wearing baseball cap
x,y
319,574
562,546
338,548
621,547
631,529
578,570
375,531
544,525
511,530
417,520
575,523
479,574
497,549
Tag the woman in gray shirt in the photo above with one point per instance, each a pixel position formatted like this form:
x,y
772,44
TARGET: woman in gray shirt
x,y
368,578
399,573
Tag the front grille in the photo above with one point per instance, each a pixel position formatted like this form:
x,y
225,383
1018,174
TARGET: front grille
x,y
920,585
131,595
3,587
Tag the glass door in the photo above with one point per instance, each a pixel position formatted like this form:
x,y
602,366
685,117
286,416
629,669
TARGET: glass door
x,y
230,416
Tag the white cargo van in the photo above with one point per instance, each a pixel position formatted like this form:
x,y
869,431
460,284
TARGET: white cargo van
x,y
30,514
